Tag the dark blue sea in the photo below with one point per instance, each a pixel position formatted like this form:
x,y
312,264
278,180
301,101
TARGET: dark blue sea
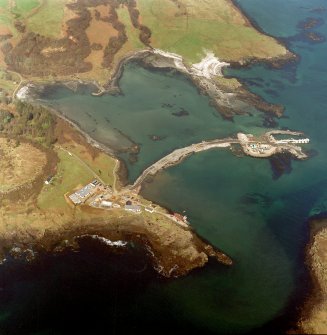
x,y
254,210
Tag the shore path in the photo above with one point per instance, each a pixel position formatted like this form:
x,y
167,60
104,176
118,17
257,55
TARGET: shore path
x,y
178,155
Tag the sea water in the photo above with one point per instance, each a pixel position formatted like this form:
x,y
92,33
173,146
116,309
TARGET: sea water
x,y
235,203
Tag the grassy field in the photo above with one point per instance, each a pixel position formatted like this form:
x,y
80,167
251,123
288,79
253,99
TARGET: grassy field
x,y
6,21
24,7
70,173
102,164
190,28
197,26
3,3
133,42
49,18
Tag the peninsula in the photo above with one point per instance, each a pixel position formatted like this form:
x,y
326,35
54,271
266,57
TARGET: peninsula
x,y
75,190
193,37
38,198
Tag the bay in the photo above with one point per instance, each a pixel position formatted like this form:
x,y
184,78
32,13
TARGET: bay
x,y
235,203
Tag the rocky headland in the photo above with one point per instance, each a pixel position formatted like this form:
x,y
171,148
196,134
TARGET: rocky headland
x,y
39,219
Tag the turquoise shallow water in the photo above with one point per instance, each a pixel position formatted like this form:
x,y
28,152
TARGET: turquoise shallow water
x,y
233,202
265,235
147,108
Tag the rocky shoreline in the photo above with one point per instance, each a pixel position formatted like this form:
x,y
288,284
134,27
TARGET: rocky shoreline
x,y
225,97
313,315
228,100
175,250
229,96
173,254
272,62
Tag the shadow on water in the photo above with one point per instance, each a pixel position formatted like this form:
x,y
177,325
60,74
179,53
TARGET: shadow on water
x,y
97,290
90,291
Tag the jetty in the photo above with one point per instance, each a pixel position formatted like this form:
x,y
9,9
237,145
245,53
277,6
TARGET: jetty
x,y
179,155
260,147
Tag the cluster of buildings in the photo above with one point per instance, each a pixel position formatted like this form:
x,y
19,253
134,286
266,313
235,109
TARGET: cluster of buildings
x,y
259,147
99,196
80,196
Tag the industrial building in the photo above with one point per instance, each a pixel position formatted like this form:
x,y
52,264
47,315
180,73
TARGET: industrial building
x,y
81,195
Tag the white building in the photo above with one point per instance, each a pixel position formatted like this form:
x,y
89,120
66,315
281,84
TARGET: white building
x,y
292,140
82,194
105,203
133,208
149,209
75,199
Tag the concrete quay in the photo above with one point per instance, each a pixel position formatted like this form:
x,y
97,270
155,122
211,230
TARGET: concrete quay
x,y
178,155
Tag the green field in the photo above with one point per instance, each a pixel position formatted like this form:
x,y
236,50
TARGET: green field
x,y
3,3
132,33
5,19
70,173
48,20
102,165
205,26
23,7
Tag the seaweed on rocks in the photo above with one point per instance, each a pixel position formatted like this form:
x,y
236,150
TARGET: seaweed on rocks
x,y
280,164
269,121
181,112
